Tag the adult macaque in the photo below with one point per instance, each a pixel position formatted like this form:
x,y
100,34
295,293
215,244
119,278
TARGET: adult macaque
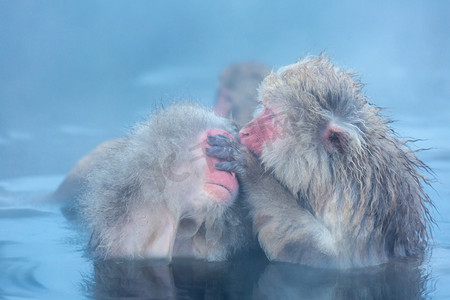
x,y
154,194
335,187
237,95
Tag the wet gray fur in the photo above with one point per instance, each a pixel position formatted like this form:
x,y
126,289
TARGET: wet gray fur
x,y
140,185
357,203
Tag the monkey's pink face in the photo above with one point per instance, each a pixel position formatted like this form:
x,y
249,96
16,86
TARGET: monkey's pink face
x,y
223,186
262,129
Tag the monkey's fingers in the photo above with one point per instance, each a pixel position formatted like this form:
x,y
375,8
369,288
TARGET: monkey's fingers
x,y
219,140
222,153
231,166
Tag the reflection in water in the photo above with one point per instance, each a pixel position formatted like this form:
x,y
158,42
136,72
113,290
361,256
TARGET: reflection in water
x,y
188,279
252,279
396,280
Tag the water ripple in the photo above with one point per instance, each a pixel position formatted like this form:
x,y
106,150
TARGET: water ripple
x,y
14,213
18,277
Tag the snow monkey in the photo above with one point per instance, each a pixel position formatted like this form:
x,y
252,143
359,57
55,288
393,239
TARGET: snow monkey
x,y
237,95
155,194
328,182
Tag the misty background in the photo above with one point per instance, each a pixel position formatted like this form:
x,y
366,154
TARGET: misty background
x,y
74,73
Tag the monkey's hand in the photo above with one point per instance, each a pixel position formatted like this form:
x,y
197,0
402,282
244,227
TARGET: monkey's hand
x,y
234,157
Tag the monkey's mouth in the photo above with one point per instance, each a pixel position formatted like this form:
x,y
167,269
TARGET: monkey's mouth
x,y
221,185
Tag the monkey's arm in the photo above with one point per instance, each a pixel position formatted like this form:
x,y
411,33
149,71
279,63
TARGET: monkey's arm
x,y
150,235
126,220
285,231
153,239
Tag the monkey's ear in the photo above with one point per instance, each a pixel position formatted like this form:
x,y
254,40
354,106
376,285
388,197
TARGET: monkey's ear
x,y
335,138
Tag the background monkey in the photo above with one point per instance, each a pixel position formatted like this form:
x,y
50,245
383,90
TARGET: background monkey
x,y
336,187
237,94
154,194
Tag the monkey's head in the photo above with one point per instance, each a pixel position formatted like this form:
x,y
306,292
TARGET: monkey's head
x,y
311,120
173,140
317,129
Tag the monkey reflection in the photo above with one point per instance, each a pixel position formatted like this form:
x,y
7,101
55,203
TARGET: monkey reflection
x,y
237,95
399,279
130,279
182,279
154,194
336,187
253,279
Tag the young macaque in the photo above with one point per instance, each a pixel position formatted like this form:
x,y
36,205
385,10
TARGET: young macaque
x,y
236,100
328,182
237,95
155,194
